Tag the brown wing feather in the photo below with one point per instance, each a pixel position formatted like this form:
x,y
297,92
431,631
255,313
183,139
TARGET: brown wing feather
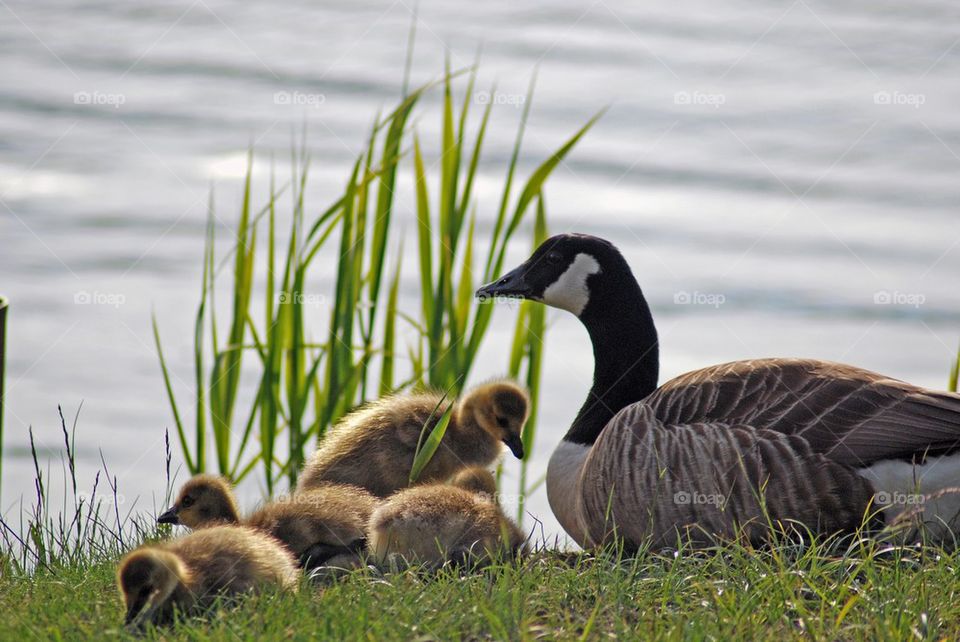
x,y
646,481
851,415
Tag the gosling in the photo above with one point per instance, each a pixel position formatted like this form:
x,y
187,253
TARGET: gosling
x,y
321,527
476,480
439,523
186,575
375,447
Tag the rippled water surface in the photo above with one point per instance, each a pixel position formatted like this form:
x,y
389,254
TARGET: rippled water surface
x,y
783,177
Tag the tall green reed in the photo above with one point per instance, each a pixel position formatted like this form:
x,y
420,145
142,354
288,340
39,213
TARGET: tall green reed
x,y
303,385
954,373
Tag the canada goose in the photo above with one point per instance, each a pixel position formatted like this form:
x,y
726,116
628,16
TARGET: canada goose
x,y
323,526
815,442
435,523
375,446
186,574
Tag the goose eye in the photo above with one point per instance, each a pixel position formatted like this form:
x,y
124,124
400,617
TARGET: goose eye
x,y
553,257
187,502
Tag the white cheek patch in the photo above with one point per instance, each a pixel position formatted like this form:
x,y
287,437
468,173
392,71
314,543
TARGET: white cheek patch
x,y
570,291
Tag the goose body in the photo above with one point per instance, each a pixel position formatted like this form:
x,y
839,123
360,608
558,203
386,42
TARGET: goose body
x,y
375,446
322,526
188,573
435,523
718,451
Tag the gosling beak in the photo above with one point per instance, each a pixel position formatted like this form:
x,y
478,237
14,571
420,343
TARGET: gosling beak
x,y
169,517
511,284
515,444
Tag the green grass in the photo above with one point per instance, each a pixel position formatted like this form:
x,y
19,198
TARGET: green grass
x,y
733,593
57,582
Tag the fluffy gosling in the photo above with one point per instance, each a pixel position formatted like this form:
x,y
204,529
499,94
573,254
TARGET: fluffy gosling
x,y
185,575
476,480
324,526
438,523
375,446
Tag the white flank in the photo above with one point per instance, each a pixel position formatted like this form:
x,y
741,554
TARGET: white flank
x,y
563,473
930,490
570,291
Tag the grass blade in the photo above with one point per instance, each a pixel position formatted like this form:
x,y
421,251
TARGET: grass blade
x,y
390,332
954,372
191,466
427,447
423,232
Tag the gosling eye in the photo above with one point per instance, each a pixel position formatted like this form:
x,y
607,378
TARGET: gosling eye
x,y
187,501
503,422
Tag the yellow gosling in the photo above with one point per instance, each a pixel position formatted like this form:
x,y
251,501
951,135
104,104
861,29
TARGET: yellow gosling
x,y
324,526
186,574
438,523
375,446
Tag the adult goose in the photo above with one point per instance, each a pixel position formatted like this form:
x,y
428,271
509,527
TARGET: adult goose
x,y
718,451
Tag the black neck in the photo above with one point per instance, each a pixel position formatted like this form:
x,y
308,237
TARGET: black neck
x,y
625,351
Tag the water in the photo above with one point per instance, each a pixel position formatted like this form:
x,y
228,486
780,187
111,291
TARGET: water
x,y
780,167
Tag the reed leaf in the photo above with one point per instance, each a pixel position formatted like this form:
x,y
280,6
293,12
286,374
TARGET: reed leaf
x,y
954,373
390,331
171,397
427,447
535,318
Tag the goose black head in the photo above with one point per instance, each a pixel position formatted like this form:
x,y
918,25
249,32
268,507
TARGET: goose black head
x,y
563,272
